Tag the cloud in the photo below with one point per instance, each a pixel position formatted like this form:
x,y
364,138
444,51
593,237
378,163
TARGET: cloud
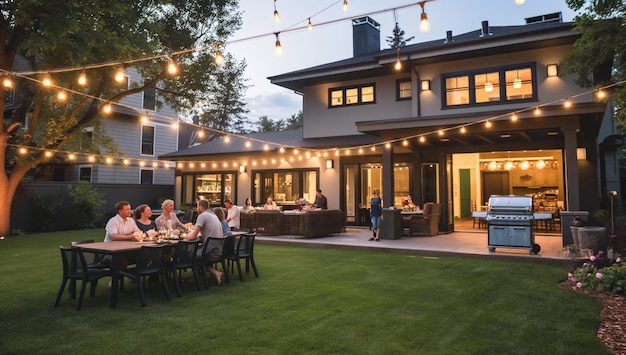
x,y
274,105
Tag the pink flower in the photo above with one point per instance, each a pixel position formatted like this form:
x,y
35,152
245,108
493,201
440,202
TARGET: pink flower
x,y
618,260
592,258
569,275
579,285
598,275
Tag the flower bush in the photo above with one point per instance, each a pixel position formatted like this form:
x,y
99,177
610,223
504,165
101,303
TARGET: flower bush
x,y
599,275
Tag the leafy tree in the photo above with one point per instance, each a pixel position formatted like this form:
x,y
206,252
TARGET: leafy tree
x,y
264,124
397,40
39,36
295,121
599,55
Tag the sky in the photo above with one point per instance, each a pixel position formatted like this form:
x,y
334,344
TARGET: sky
x,y
332,42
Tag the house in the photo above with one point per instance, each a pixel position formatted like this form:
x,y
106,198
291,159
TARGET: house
x,y
465,117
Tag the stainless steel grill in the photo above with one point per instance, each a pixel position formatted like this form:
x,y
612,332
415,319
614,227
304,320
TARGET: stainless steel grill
x,y
510,223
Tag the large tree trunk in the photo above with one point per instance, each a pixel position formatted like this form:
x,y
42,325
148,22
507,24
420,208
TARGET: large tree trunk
x,y
8,186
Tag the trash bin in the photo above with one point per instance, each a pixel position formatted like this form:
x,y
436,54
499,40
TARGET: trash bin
x,y
391,225
567,218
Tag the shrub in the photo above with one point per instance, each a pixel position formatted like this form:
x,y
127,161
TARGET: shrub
x,y
87,203
595,276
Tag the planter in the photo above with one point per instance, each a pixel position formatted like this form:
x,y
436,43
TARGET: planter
x,y
574,231
594,238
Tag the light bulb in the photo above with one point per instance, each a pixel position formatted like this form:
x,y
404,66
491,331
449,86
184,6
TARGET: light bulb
x,y
276,16
62,96
541,164
344,7
520,2
424,24
517,83
171,67
310,25
119,75
7,82
82,78
398,65
279,49
47,82
488,87
524,165
219,58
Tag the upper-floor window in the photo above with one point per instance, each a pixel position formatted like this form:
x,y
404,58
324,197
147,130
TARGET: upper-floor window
x,y
147,140
352,95
84,173
498,85
149,99
403,89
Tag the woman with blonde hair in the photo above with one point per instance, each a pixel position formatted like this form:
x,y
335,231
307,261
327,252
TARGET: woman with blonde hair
x,y
168,218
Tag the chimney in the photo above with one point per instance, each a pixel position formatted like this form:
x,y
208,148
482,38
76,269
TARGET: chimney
x,y
485,29
365,36
195,120
448,37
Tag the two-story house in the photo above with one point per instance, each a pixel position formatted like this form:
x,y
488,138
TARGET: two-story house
x,y
463,118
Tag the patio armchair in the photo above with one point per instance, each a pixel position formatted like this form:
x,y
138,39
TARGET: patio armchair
x,y
428,223
75,268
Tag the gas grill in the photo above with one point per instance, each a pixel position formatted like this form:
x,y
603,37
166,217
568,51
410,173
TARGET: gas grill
x,y
510,223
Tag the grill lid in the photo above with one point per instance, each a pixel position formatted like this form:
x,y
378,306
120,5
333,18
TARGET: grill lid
x,y
510,204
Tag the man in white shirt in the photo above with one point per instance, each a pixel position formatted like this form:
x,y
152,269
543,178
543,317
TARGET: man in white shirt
x,y
233,215
121,226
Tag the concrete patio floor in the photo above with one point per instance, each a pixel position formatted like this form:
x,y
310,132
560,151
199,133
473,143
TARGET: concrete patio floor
x,y
467,243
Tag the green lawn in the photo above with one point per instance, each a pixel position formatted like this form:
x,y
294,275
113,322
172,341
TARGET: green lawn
x,y
306,300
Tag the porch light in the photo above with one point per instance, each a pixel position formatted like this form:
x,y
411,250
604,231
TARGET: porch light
x,y
553,70
425,85
242,169
581,153
330,164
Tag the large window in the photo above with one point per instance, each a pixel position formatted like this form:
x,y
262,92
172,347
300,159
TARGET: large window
x,y
490,86
285,186
147,140
353,95
84,173
214,187
403,89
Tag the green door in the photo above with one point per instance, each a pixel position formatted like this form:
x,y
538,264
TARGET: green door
x,y
465,193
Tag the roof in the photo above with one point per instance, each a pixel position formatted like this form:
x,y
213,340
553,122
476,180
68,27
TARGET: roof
x,y
471,44
273,140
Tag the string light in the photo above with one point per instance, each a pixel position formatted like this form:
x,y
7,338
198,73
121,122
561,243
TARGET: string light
x,y
278,48
310,24
82,78
422,139
488,124
7,82
513,117
398,65
567,103
62,96
119,75
463,129
601,94
276,16
520,2
219,58
537,111
424,24
107,108
47,81
172,69
344,7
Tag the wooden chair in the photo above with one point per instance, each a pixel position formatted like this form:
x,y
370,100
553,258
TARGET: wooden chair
x,y
428,223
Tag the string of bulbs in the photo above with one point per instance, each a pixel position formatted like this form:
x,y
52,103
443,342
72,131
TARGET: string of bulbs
x,y
172,70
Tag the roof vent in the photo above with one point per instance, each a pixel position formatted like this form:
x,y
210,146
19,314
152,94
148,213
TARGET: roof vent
x,y
448,37
484,31
553,17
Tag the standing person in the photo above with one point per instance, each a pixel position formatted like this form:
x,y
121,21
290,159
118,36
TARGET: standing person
x,y
121,226
208,225
376,211
168,215
233,218
142,218
320,200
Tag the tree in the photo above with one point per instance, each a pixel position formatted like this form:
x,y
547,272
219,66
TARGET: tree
x,y
40,36
599,55
265,124
295,121
397,40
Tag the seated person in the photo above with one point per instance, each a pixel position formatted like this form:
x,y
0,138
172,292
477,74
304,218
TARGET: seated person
x,y
219,212
270,204
168,217
208,225
142,218
248,205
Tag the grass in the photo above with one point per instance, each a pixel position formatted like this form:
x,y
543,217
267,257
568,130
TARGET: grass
x,y
306,300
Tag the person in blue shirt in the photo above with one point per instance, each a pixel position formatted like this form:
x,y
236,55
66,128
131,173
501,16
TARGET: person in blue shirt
x,y
219,212
376,212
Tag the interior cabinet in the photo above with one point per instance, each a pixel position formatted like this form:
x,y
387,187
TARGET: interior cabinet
x,y
537,178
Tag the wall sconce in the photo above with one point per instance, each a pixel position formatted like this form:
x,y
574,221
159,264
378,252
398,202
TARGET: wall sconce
x,y
330,164
242,169
425,85
553,70
581,153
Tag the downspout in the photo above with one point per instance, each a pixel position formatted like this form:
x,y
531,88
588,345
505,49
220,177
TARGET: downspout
x,y
419,88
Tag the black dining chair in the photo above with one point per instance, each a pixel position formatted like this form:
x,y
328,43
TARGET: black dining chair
x,y
185,258
75,268
150,262
245,250
228,251
204,259
93,258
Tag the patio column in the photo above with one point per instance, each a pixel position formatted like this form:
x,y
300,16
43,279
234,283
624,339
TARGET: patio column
x,y
388,186
571,170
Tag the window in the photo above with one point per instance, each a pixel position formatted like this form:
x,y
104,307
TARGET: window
x,y
149,99
353,95
490,86
214,187
285,186
84,173
147,140
146,177
403,89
